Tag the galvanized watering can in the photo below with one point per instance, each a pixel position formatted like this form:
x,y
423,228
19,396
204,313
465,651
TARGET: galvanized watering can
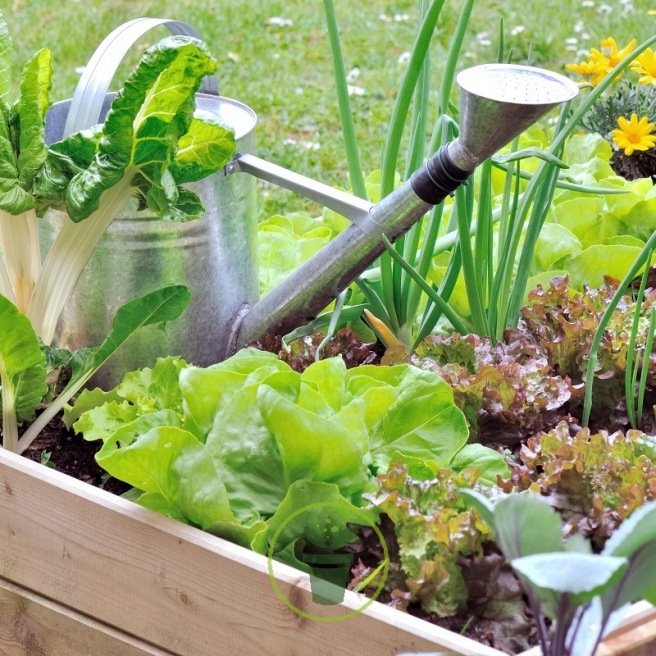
x,y
216,255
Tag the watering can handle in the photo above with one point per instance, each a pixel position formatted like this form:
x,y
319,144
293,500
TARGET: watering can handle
x,y
93,86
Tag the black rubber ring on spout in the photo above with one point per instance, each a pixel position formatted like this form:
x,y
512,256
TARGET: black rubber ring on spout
x,y
438,178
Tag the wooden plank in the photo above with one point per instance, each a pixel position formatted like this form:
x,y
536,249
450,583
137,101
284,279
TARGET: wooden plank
x,y
635,637
33,626
629,639
186,591
178,588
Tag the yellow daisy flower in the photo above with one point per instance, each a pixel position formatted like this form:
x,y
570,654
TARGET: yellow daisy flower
x,y
634,134
603,60
645,66
609,54
588,69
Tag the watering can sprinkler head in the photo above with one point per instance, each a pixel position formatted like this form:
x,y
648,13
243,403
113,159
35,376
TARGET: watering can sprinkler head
x,y
498,102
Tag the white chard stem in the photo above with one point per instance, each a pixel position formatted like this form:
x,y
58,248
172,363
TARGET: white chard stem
x,y
19,242
9,420
68,257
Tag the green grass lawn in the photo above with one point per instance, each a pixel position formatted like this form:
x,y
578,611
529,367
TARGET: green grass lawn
x,y
284,71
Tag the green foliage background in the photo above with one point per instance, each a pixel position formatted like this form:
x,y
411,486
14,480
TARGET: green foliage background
x,y
285,74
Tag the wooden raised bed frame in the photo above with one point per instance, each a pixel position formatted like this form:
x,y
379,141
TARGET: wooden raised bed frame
x,y
83,572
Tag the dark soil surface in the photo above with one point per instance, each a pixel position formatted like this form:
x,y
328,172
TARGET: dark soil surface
x,y
63,450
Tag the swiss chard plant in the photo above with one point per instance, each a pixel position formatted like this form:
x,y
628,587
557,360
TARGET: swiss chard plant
x,y
22,155
576,596
24,365
149,145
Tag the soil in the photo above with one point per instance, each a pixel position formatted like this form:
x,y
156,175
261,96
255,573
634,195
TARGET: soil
x,y
63,450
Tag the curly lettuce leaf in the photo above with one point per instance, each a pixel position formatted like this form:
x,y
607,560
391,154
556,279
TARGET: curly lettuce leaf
x,y
435,531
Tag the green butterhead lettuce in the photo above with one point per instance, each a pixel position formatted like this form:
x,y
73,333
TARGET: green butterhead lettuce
x,y
271,434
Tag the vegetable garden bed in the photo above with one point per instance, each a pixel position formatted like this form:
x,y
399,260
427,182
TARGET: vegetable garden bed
x,y
85,572
242,448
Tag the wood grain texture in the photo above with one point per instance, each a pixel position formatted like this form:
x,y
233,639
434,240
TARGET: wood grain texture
x,y
174,586
184,591
33,626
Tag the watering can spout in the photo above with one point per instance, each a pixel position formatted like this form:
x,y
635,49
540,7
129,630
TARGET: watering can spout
x,y
498,102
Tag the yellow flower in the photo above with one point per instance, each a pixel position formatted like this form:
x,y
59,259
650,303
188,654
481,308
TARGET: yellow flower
x,y
634,134
589,69
603,60
645,66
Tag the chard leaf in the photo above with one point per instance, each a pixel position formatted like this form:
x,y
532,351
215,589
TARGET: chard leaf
x,y
6,49
578,575
22,371
187,205
156,307
204,149
142,130
31,109
64,160
13,198
526,525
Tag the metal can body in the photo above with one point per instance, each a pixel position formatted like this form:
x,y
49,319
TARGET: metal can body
x,y
215,257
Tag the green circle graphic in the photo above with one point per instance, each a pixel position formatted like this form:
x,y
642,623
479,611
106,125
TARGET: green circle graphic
x,y
326,618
